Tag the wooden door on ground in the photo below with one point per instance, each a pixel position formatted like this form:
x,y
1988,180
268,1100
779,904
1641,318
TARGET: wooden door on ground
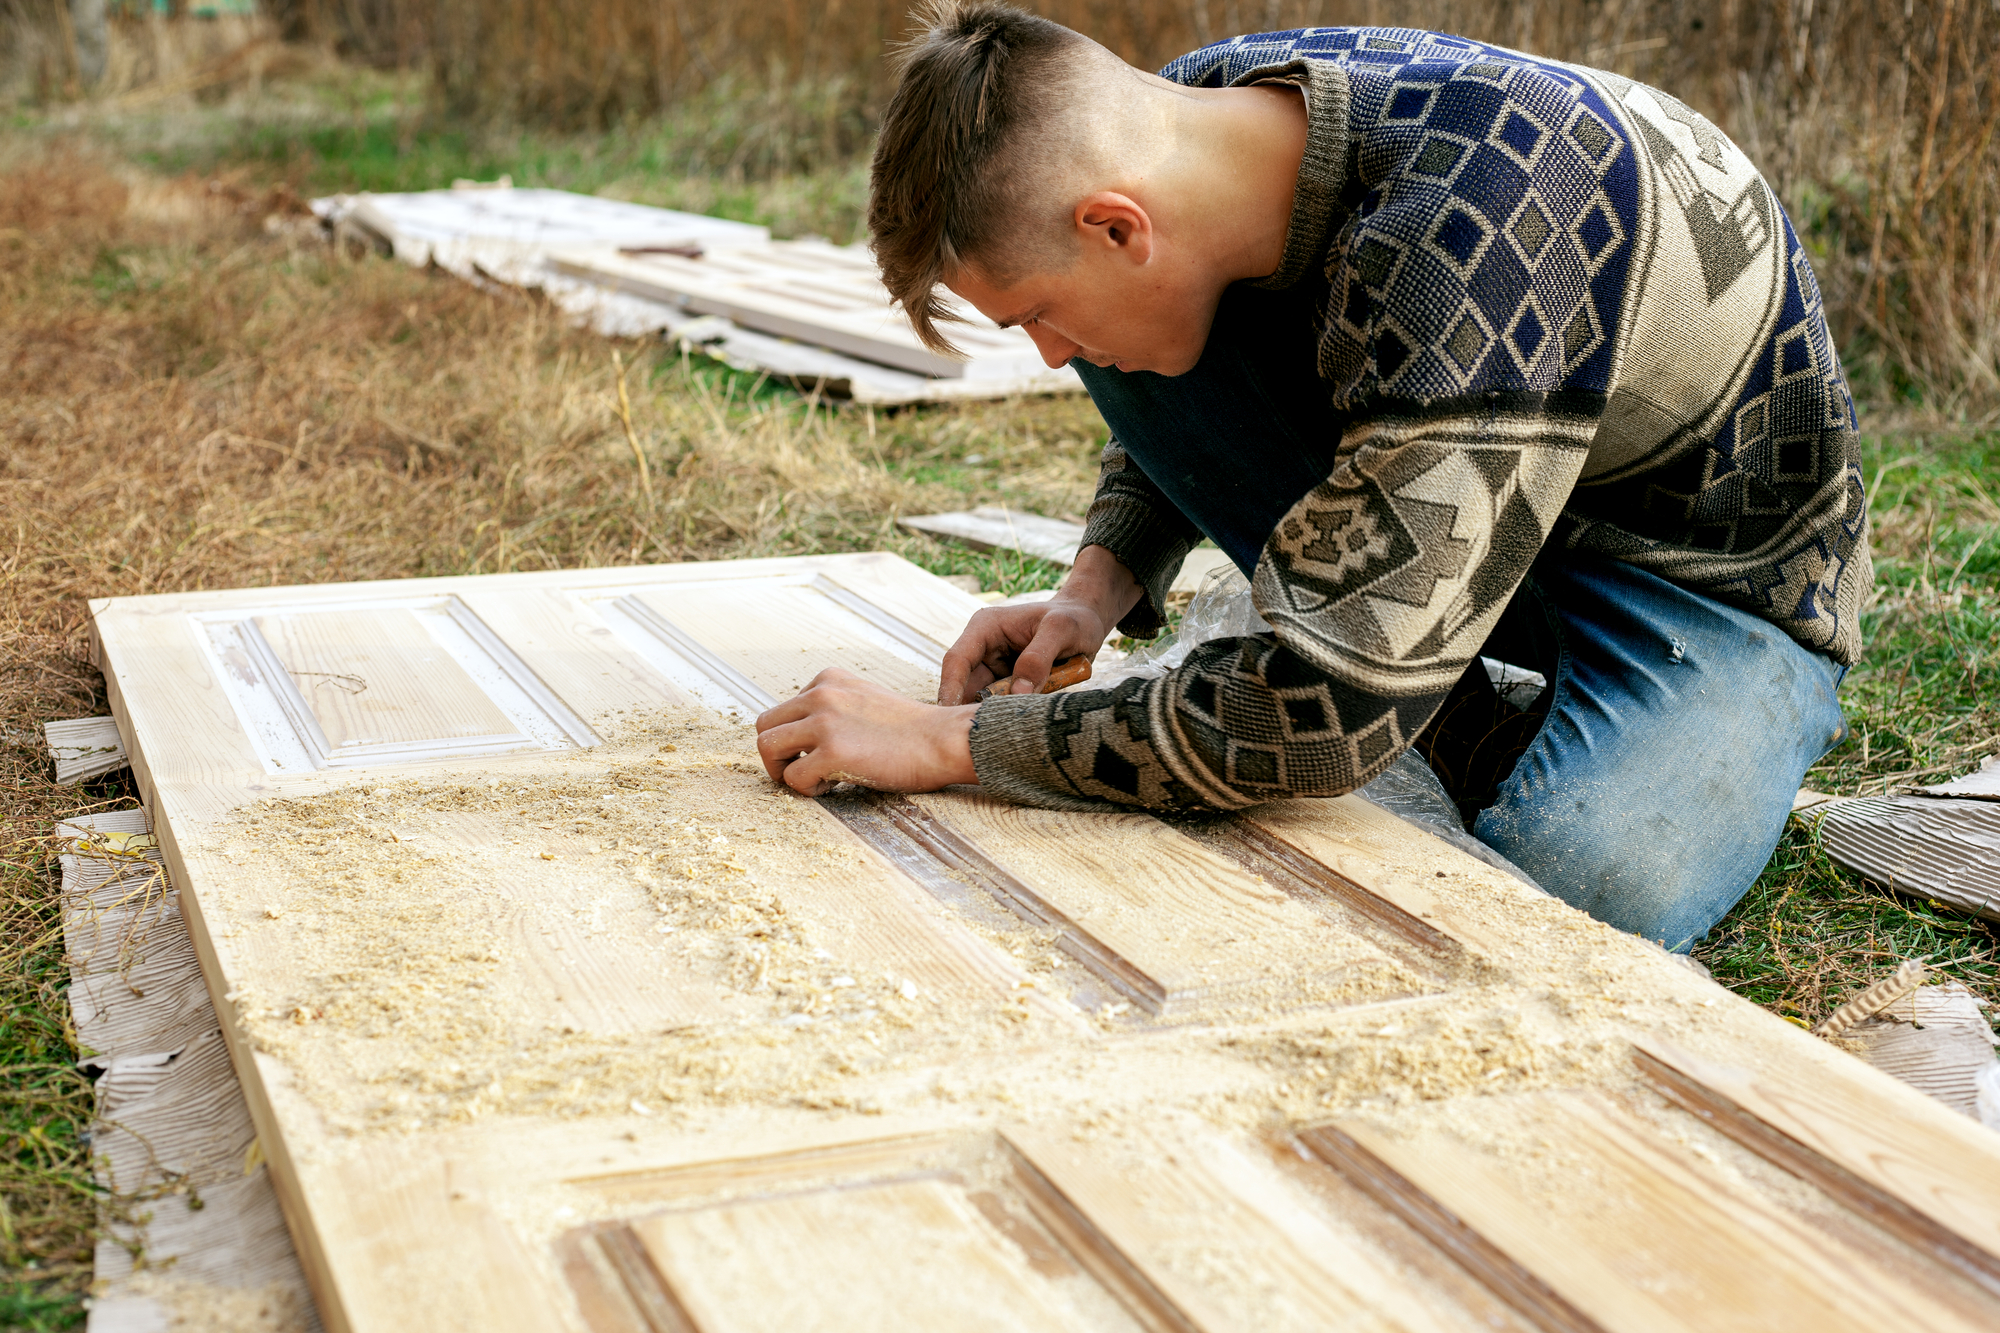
x,y
554,1013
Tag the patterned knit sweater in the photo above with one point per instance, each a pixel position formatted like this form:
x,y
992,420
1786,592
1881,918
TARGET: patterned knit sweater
x,y
1559,307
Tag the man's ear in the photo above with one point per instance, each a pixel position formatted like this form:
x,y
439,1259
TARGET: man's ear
x,y
1113,223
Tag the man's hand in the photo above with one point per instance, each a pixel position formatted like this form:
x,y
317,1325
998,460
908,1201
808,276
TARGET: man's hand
x,y
846,729
1025,641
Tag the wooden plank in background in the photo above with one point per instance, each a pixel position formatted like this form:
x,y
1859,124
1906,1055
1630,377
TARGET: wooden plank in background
x,y
84,747
456,228
827,295
994,528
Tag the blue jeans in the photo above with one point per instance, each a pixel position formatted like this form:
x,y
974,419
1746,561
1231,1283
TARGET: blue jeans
x,y
1649,783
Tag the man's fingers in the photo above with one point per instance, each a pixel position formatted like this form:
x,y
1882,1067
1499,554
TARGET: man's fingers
x,y
1031,666
779,746
806,773
769,723
985,650
951,679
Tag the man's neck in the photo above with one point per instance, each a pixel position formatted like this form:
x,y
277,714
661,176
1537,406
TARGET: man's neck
x,y
1240,174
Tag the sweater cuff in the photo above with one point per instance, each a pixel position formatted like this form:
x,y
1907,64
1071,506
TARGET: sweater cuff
x,y
1010,753
1152,550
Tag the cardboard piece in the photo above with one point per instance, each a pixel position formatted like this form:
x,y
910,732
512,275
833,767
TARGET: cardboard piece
x,y
1939,842
171,1140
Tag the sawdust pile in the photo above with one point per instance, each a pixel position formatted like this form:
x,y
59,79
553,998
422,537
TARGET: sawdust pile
x,y
651,928
608,933
1427,1057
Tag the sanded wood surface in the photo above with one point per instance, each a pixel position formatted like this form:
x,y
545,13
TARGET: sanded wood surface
x,y
551,1012
1169,1195
1637,1233
1178,925
377,677
773,1265
1938,1165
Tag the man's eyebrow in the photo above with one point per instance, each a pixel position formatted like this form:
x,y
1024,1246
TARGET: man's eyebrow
x,y
1013,320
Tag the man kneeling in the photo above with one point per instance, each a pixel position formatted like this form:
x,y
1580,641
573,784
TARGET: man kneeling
x,y
1456,352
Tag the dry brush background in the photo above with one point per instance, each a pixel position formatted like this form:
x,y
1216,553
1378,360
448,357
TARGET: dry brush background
x,y
195,391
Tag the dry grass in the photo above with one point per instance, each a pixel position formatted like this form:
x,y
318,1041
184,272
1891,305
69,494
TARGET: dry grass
x,y
192,402
1877,120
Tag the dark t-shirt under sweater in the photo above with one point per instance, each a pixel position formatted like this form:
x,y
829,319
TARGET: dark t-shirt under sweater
x,y
1557,307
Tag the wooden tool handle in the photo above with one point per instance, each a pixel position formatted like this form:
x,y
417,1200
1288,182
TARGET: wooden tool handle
x,y
1066,672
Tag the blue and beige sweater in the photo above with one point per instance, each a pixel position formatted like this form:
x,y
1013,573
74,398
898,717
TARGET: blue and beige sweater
x,y
1557,304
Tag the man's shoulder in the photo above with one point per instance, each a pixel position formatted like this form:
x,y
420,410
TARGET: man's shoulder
x,y
1382,51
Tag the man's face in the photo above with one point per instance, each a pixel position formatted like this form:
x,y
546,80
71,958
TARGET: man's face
x,y
1110,313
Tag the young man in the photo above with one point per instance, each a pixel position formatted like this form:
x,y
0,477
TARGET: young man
x,y
1454,351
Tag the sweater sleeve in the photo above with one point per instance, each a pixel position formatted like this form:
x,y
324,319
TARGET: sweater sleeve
x,y
1380,585
1131,518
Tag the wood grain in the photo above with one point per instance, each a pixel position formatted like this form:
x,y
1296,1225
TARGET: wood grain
x,y
1367,846
781,635
905,1254
1190,926
378,678
576,655
1635,1232
1911,1165
1220,1237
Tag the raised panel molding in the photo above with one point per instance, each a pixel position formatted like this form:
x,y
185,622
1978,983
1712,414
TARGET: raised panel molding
x,y
298,698
747,643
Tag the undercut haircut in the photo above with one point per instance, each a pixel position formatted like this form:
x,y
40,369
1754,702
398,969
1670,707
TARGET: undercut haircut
x,y
963,143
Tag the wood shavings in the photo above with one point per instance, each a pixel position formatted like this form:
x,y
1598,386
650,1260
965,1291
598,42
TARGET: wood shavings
x,y
439,970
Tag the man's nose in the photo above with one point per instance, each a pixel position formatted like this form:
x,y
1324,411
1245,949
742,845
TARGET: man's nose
x,y
1056,350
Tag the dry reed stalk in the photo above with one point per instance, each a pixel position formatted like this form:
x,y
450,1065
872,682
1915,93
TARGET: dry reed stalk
x,y
631,436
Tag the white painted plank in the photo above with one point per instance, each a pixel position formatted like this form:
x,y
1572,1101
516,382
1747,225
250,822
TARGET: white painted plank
x,y
828,295
995,527
84,747
459,228
171,1137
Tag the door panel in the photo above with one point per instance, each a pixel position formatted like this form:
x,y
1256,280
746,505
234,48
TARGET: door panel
x,y
552,1012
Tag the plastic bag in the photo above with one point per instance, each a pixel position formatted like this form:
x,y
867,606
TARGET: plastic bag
x,y
1222,609
1407,788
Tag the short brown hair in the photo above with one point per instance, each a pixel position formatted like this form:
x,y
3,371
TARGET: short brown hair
x,y
940,189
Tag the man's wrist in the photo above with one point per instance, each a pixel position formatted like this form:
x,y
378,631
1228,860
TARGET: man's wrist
x,y
953,740
1101,581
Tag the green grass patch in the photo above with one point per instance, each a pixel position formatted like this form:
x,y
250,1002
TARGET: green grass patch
x,y
1922,709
